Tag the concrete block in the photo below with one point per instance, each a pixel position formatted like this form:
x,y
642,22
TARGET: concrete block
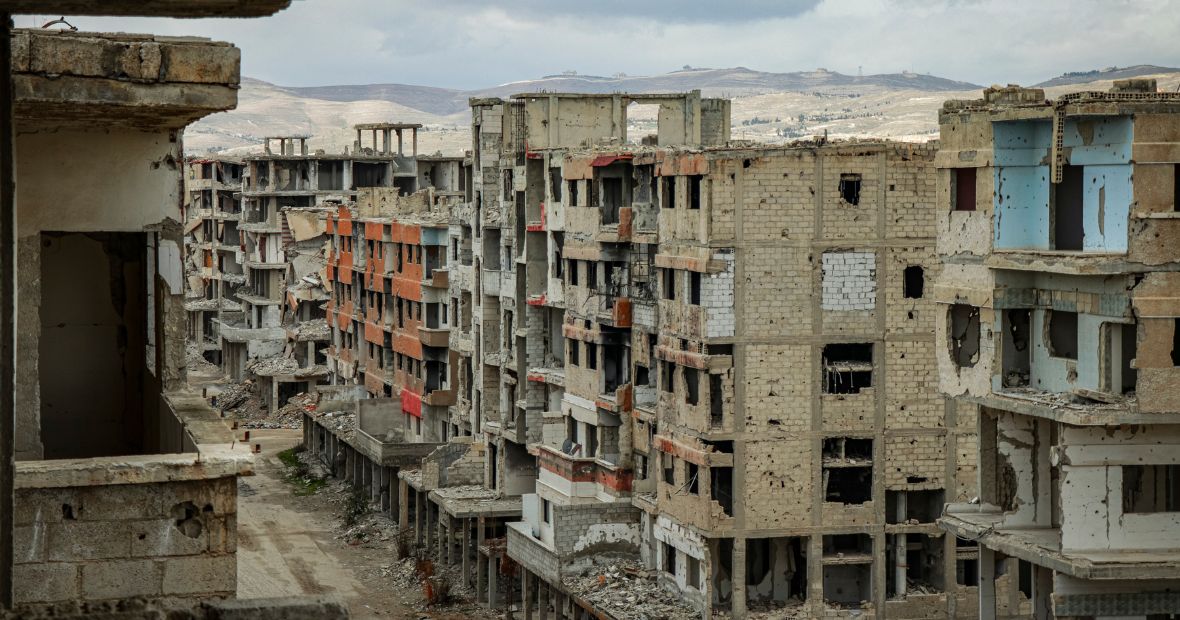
x,y
278,608
119,502
162,537
29,543
200,64
87,540
122,579
40,583
200,574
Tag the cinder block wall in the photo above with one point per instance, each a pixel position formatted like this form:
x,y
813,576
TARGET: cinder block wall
x,y
169,540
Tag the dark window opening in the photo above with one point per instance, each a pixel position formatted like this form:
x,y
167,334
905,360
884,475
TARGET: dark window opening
x,y
849,449
963,191
575,353
848,484
641,375
592,275
716,401
612,199
848,368
1176,342
694,191
573,193
692,386
918,559
592,356
913,282
1151,488
721,488
1063,334
963,332
850,585
1068,218
555,183
850,188
573,271
666,375
669,284
669,468
668,193
669,559
691,473
1015,349
694,288
913,506
776,572
967,572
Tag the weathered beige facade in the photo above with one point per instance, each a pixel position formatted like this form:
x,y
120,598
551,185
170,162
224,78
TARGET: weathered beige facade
x,y
1057,227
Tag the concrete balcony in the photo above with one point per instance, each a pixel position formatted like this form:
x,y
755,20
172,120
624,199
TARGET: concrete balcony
x,y
434,337
438,278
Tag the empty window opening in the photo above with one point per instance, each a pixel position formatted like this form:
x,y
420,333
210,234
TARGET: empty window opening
x,y
1068,217
1176,342
692,572
854,449
692,386
592,275
913,564
1151,488
669,559
612,199
721,488
913,282
691,474
694,191
963,332
575,352
642,377
847,482
694,288
716,401
1062,333
913,507
668,193
1117,356
555,184
776,570
592,355
963,190
848,584
967,571
848,368
850,188
849,546
669,283
573,193
1014,348
669,466
573,271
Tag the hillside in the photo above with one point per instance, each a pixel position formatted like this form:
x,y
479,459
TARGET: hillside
x,y
767,107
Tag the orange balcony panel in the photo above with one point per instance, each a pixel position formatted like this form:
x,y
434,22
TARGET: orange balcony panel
x,y
537,300
625,223
407,344
373,230
374,333
407,287
621,313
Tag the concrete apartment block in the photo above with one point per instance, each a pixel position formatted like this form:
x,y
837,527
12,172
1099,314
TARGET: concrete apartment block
x,y
1057,320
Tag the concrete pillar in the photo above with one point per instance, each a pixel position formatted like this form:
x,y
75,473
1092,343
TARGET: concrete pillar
x,y
481,574
465,556
558,604
525,592
493,594
543,600
403,509
739,578
418,518
899,546
349,462
428,524
987,584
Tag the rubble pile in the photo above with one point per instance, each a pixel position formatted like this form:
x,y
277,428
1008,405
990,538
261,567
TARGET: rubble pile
x,y
628,591
195,362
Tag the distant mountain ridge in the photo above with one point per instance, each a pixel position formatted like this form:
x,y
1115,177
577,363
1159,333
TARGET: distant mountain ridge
x,y
736,81
1109,73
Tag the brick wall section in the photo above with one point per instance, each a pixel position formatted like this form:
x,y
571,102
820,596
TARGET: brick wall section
x,y
849,281
174,540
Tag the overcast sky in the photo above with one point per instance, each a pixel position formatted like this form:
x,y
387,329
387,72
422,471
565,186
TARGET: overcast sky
x,y
477,43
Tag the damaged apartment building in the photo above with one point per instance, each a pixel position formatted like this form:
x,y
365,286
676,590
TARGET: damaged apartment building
x,y
710,358
125,485
258,256
1059,319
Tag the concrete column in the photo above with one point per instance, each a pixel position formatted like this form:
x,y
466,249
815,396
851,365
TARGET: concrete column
x,y
899,547
349,462
481,574
428,524
418,510
558,604
543,600
403,509
493,598
987,584
525,592
739,578
465,556
444,545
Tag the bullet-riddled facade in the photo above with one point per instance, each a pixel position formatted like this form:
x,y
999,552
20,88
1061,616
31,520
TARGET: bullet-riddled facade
x,y
1058,319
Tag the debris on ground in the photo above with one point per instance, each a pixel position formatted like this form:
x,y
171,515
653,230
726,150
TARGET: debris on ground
x,y
628,591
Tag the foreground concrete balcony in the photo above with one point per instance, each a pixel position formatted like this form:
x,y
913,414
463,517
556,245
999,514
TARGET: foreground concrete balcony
x,y
1042,546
